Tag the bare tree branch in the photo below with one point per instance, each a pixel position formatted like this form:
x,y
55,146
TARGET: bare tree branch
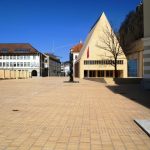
x,y
111,43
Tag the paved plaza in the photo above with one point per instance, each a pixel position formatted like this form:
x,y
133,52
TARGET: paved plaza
x,y
48,114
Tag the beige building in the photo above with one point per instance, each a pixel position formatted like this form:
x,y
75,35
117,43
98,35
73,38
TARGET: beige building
x,y
146,40
134,53
93,60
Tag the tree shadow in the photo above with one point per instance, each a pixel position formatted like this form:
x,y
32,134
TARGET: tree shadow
x,y
71,81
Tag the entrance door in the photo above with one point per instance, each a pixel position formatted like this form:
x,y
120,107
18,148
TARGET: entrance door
x,y
132,68
92,73
34,73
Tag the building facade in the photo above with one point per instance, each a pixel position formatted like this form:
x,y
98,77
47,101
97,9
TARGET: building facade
x,y
146,40
65,68
21,57
94,61
134,53
52,65
75,50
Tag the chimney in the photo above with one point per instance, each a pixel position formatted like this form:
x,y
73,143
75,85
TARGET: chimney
x,y
80,41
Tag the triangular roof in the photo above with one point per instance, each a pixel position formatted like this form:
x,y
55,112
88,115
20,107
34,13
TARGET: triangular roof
x,y
97,27
77,48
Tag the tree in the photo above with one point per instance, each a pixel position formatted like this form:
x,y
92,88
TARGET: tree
x,y
132,27
111,44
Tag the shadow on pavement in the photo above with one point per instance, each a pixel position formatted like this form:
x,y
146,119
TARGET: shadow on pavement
x,y
134,92
100,80
130,88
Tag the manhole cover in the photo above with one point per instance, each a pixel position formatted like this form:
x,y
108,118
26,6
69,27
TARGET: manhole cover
x,y
15,110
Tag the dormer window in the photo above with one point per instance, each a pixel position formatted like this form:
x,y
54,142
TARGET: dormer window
x,y
4,50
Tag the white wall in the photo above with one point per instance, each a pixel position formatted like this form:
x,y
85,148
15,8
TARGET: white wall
x,y
32,62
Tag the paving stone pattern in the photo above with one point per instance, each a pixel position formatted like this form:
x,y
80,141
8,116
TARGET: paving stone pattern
x,y
53,115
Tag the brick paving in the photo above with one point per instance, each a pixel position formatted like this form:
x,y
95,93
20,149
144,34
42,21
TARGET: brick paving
x,y
54,115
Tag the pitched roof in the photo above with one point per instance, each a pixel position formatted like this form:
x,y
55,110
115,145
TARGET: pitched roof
x,y
52,56
77,48
17,48
91,33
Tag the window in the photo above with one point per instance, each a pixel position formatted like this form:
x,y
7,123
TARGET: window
x,y
11,64
21,57
21,64
4,57
14,64
17,57
18,64
22,50
11,57
46,61
4,50
101,73
37,64
28,57
92,73
0,64
14,57
109,73
34,57
7,64
76,56
28,64
25,64
1,57
4,64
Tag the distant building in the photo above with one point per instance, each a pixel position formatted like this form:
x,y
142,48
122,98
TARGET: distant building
x,y
75,50
65,68
52,65
21,57
93,61
146,40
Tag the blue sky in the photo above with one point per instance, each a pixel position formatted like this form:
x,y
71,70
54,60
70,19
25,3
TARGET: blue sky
x,y
56,25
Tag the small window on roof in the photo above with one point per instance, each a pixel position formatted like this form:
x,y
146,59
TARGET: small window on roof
x,y
22,50
4,50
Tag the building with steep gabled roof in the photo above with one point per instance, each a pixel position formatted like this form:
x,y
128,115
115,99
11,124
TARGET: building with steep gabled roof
x,y
93,60
75,50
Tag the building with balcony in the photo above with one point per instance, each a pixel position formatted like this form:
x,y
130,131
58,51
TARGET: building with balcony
x,y
52,65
